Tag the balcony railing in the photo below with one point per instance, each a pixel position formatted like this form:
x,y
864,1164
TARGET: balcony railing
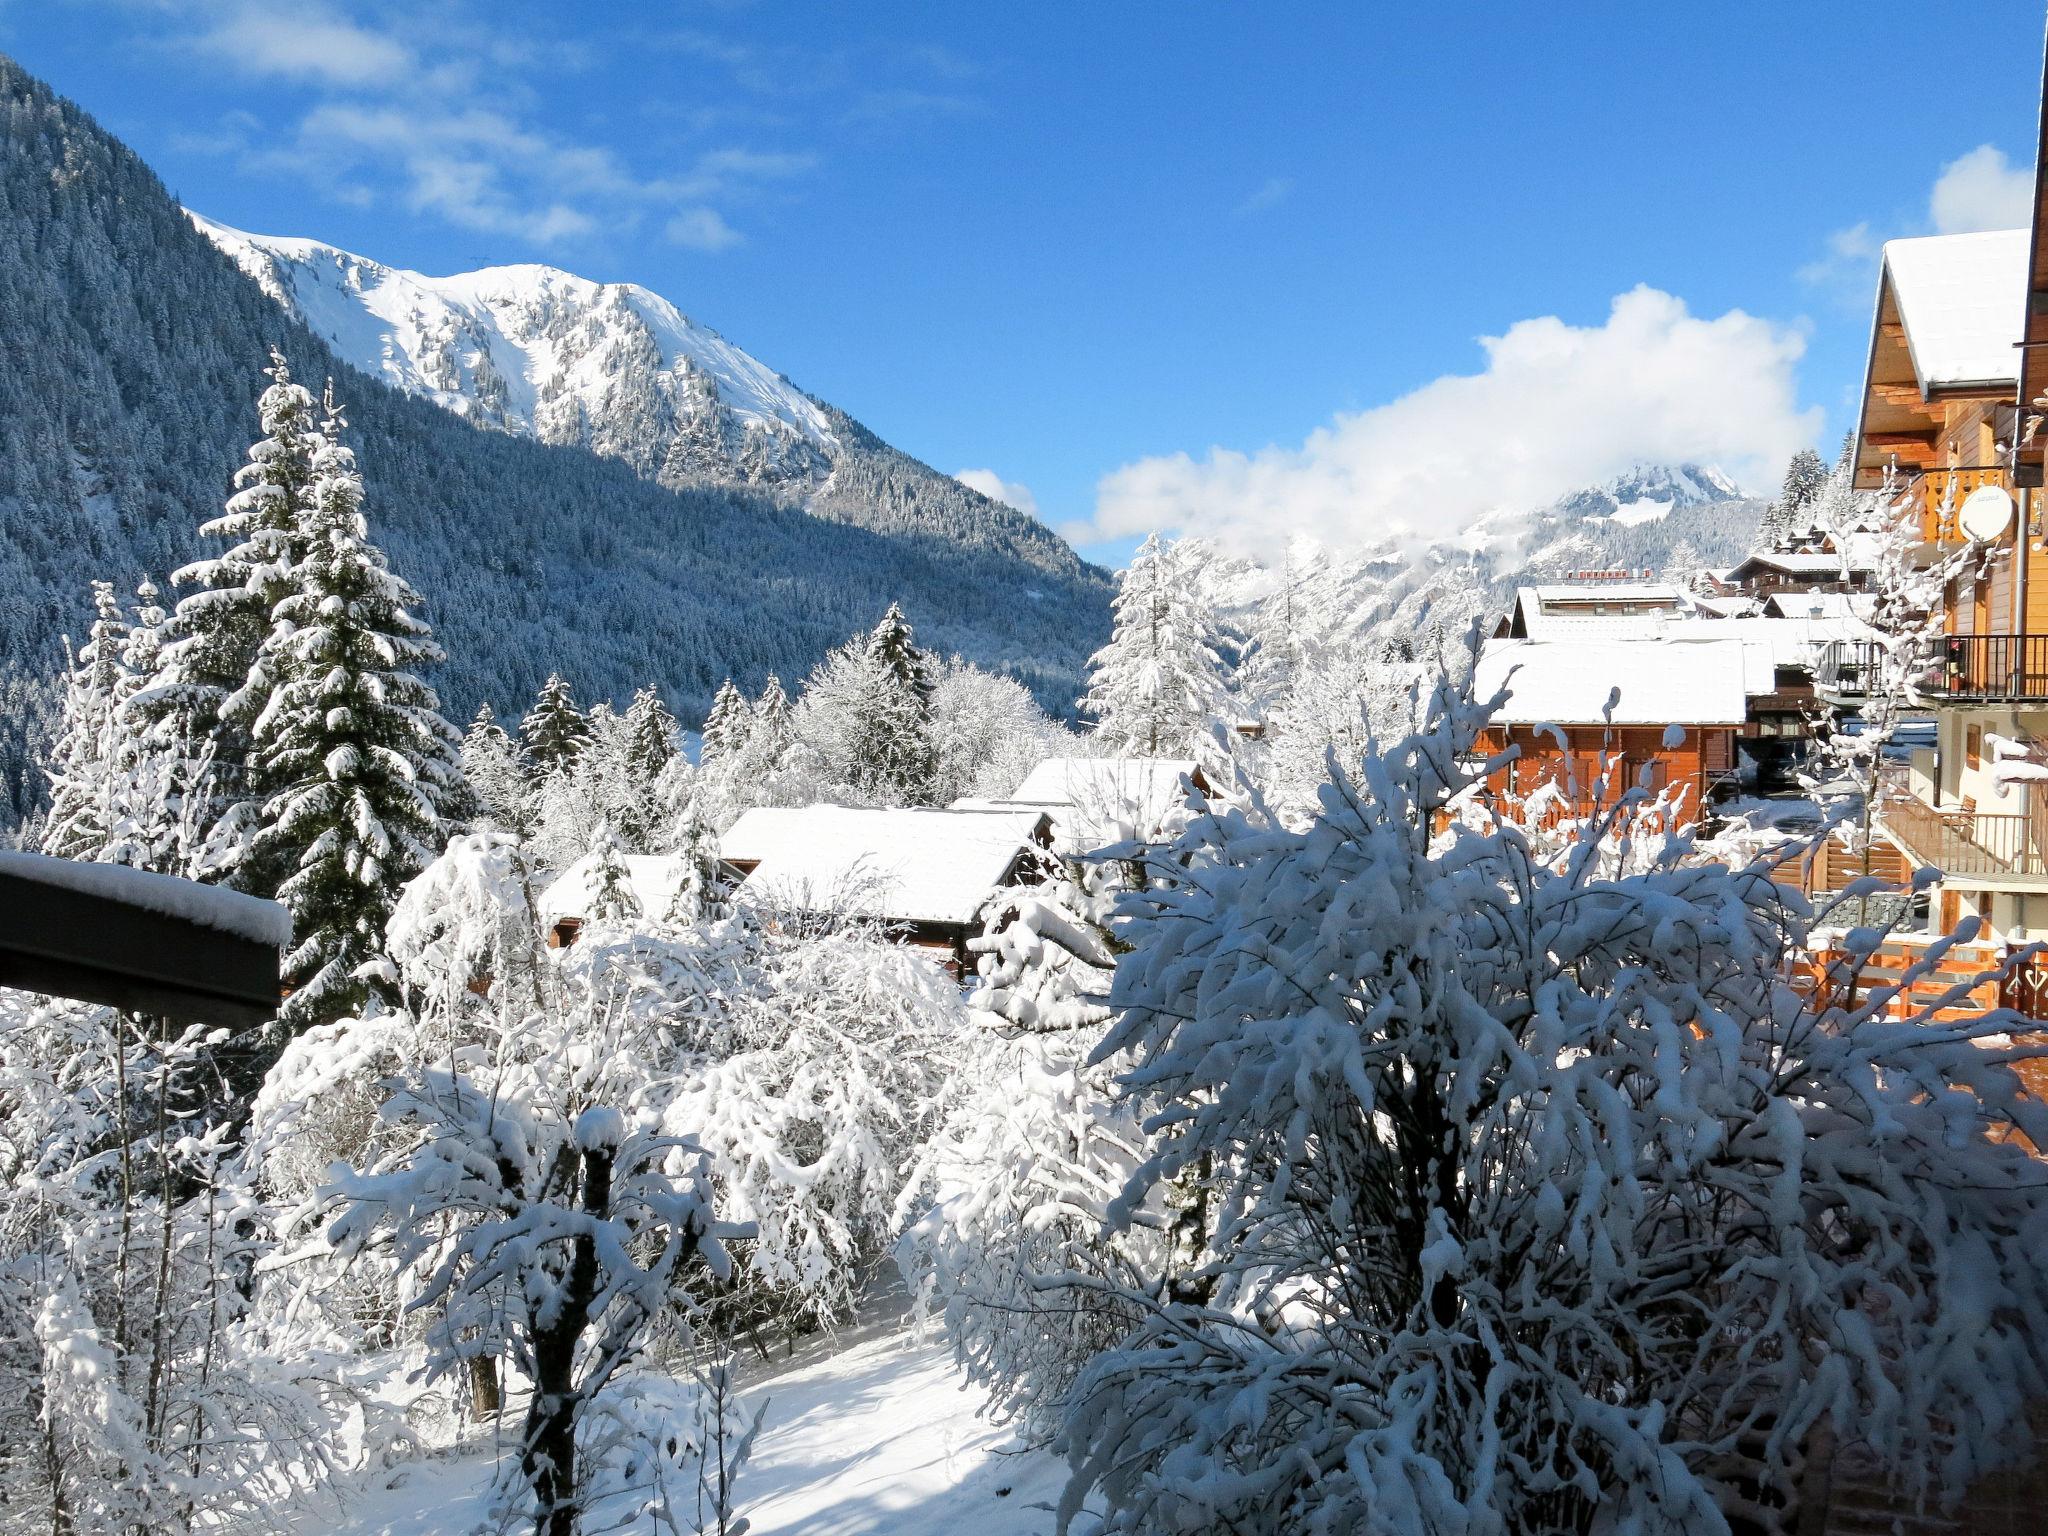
x,y
1967,842
1847,668
2003,669
1933,497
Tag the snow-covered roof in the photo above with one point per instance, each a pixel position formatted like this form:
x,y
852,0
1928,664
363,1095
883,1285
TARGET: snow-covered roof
x,y
209,906
920,866
1790,642
1106,798
1963,299
651,879
1724,607
1558,610
1662,681
1608,592
1803,563
1836,606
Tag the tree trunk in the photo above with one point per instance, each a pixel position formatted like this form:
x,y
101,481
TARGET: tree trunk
x,y
484,1397
549,1457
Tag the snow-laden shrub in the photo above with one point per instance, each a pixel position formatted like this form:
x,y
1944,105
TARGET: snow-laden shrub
x,y
1033,1145
1535,1198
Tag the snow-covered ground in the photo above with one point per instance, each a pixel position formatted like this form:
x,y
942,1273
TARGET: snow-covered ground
x,y
871,1432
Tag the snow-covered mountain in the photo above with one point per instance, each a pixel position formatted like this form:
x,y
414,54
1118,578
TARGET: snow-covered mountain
x,y
1402,597
611,367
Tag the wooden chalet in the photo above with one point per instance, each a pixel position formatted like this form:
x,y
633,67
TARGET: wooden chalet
x,y
1097,801
1768,573
1603,605
651,880
924,875
1951,429
1665,714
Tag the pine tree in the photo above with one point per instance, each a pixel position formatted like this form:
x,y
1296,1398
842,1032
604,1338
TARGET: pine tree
x,y
208,686
362,763
650,736
85,758
696,895
893,647
866,718
771,714
554,730
725,727
612,899
497,773
1804,477
1156,685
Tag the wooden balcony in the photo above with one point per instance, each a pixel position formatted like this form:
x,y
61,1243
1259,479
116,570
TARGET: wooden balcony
x,y
1969,842
1933,496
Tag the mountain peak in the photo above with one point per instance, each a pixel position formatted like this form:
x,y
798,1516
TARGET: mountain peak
x,y
540,352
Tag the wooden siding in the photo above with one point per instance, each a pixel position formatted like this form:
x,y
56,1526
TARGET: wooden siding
x,y
1622,751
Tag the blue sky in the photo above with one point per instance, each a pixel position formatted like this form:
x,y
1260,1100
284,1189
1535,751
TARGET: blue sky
x,y
1083,246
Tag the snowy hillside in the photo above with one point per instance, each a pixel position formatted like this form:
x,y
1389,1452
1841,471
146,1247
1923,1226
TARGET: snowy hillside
x,y
534,350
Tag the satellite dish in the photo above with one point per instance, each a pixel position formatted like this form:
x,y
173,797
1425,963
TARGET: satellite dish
x,y
1985,513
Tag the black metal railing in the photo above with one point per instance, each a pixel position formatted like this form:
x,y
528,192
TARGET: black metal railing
x,y
2002,668
1847,668
1999,667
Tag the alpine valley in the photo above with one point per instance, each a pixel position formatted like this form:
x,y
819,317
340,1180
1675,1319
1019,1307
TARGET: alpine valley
x,y
579,475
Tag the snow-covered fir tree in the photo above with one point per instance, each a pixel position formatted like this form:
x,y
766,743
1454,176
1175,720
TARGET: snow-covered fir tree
x,y
86,757
612,898
209,685
726,727
554,731
696,897
497,772
360,764
864,721
1156,687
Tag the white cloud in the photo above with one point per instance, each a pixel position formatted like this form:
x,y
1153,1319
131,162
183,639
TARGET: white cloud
x,y
1976,191
304,44
1275,191
702,229
440,108
996,488
1850,263
1557,407
1981,190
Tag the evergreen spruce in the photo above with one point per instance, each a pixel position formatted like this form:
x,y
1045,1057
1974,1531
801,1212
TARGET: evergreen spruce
x,y
650,736
85,758
209,683
497,773
554,730
611,885
696,895
1156,685
893,757
893,647
726,726
362,764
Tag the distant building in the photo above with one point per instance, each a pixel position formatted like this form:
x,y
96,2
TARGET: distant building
x,y
923,874
1766,573
1095,801
565,904
1559,610
1662,713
